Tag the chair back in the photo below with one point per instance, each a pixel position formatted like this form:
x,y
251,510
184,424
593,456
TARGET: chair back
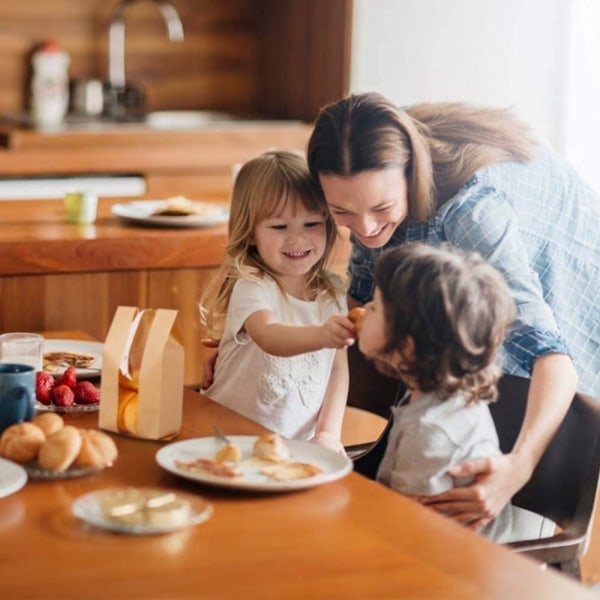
x,y
564,484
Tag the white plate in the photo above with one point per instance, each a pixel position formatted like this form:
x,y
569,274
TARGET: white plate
x,y
12,477
78,346
88,508
333,465
141,211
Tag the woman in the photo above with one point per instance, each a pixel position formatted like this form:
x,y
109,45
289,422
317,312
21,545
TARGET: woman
x,y
475,179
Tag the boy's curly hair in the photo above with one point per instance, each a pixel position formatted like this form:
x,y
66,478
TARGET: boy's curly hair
x,y
456,307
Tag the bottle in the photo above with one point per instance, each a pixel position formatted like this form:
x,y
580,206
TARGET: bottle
x,y
49,85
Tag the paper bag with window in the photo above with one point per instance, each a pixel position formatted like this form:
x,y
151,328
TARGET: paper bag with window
x,y
142,375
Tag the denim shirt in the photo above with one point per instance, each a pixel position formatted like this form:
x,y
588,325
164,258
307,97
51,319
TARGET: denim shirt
x,y
539,225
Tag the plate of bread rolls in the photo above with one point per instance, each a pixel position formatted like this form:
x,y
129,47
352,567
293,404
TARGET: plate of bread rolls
x,y
48,449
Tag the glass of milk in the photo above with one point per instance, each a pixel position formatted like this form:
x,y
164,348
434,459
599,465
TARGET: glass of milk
x,y
22,349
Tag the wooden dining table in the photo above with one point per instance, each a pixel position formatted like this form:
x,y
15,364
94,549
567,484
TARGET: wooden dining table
x,y
351,538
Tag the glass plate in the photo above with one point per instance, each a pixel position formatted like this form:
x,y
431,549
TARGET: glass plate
x,y
74,408
35,472
333,465
88,508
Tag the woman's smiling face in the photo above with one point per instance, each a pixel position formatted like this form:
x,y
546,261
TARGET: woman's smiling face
x,y
371,204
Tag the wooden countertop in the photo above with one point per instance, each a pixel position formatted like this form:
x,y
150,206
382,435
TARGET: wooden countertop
x,y
35,238
351,538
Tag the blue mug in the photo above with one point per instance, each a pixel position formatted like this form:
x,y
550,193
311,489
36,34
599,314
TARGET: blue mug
x,y
17,394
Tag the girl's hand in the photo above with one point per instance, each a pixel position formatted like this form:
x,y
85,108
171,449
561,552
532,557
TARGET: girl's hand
x,y
338,332
329,440
497,479
209,370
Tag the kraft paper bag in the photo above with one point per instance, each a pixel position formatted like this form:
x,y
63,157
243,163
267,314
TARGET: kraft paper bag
x,y
142,375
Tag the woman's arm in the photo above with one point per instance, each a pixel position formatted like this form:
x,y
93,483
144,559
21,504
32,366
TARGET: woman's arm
x,y
280,339
553,385
329,423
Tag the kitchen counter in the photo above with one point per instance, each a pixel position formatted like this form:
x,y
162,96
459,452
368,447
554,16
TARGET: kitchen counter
x,y
36,239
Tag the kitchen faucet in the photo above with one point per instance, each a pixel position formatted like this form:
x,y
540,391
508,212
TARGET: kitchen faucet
x,y
116,46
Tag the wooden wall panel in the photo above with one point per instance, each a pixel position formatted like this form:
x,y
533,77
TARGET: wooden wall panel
x,y
281,58
182,289
72,301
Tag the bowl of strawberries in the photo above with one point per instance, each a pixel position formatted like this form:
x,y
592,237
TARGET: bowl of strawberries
x,y
64,394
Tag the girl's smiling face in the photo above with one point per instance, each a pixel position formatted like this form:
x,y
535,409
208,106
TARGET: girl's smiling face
x,y
291,241
370,203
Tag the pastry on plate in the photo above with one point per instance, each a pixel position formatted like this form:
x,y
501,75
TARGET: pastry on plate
x,y
60,449
270,447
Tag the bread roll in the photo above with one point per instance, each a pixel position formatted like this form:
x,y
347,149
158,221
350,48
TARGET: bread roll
x,y
21,442
48,422
60,449
98,450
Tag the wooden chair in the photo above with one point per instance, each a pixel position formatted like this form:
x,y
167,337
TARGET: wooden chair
x,y
565,483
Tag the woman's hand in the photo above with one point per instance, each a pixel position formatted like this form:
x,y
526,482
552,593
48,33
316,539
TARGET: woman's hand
x,y
497,479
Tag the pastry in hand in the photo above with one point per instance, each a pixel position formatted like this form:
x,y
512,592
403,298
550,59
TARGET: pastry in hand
x,y
356,315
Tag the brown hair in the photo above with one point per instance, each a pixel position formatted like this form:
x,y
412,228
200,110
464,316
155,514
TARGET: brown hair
x,y
456,308
439,146
263,186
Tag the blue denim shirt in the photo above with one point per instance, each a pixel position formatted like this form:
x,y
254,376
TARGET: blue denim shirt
x,y
539,225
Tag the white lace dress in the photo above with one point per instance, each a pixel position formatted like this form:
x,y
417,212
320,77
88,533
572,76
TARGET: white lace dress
x,y
283,394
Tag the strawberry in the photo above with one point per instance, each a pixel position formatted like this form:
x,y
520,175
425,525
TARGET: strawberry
x,y
86,393
69,377
44,383
62,395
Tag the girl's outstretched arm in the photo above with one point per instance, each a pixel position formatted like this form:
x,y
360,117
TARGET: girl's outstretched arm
x,y
280,339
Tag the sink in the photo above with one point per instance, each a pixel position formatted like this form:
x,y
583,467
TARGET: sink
x,y
185,119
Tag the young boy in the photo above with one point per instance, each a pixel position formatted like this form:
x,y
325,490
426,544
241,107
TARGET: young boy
x,y
436,321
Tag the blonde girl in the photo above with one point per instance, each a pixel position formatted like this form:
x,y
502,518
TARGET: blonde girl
x,y
276,309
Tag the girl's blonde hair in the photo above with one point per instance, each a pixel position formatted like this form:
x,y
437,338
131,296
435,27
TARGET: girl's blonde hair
x,y
439,146
262,188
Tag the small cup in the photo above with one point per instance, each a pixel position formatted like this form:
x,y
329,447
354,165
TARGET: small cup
x,y
81,207
17,394
22,349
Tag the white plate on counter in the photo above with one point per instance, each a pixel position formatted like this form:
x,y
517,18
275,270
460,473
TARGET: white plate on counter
x,y
333,466
78,347
142,212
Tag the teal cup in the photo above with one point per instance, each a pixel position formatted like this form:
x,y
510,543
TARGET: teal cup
x,y
17,394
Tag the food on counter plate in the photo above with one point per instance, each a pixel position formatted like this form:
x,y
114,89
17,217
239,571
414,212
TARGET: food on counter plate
x,y
180,206
156,508
50,445
291,470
